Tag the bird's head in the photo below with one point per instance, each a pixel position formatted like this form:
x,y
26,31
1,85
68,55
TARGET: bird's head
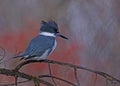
x,y
51,27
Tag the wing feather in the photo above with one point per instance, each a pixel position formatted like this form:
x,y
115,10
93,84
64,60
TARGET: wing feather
x,y
37,46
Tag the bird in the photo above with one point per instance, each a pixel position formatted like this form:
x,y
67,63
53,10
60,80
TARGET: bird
x,y
44,43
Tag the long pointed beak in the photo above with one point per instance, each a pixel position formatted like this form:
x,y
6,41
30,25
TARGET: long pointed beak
x,y
59,34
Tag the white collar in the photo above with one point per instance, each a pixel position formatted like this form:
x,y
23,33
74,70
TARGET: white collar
x,y
47,34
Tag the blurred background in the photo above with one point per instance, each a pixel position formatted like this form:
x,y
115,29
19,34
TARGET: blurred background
x,y
92,27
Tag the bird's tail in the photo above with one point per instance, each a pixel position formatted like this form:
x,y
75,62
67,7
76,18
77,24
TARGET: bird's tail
x,y
21,57
17,56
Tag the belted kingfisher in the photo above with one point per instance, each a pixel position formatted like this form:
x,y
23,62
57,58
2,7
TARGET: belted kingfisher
x,y
42,45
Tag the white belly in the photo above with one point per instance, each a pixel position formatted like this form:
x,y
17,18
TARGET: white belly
x,y
55,44
44,56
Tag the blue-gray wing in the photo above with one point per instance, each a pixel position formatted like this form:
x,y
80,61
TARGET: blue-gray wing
x,y
38,46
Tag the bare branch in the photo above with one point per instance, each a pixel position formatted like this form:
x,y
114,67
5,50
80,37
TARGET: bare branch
x,y
105,75
38,80
23,75
49,67
42,76
75,73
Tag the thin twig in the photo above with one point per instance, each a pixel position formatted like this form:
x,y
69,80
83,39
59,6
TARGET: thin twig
x,y
16,80
36,82
49,67
95,80
75,73
107,82
42,76
12,84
